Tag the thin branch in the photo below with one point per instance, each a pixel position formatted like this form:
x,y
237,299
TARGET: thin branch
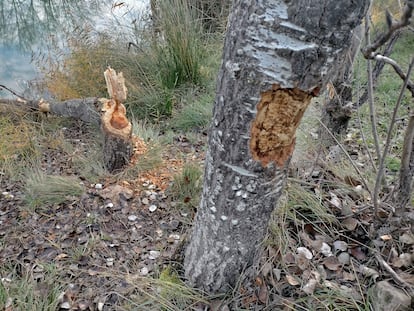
x,y
379,66
407,13
13,92
369,51
398,70
394,274
370,89
388,140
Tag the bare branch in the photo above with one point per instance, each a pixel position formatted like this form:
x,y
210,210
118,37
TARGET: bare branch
x,y
369,50
388,141
398,70
376,71
11,91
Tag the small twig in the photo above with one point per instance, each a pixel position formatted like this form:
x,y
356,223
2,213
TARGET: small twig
x,y
398,70
388,140
379,66
13,92
394,274
370,89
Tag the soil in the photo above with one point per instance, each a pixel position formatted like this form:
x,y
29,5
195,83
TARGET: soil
x,y
123,229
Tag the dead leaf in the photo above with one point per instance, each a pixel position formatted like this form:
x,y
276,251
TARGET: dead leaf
x,y
305,252
358,253
386,237
350,223
302,262
369,272
407,238
404,260
267,267
292,280
325,249
60,256
340,245
335,201
332,263
277,273
348,276
263,293
310,286
289,258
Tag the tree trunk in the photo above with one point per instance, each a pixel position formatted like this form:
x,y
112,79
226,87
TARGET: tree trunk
x,y
277,56
116,128
404,189
338,110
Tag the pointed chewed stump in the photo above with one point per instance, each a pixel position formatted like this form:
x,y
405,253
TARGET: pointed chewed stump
x,y
116,128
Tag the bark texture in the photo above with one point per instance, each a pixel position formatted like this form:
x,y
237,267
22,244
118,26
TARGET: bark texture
x,y
338,108
277,55
84,109
404,189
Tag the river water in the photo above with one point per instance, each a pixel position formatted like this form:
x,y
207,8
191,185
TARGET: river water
x,y
26,27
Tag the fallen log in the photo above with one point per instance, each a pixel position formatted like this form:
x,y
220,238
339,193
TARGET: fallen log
x,y
110,114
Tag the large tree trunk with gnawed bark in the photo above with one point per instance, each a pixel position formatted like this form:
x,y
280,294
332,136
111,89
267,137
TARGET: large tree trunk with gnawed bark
x,y
277,56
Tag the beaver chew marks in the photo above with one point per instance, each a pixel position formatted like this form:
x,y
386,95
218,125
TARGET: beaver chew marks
x,y
273,130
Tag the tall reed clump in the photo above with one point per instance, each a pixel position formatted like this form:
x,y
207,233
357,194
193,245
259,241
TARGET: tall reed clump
x,y
179,46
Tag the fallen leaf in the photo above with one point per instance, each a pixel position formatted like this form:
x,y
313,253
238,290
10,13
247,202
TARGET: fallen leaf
x,y
335,201
305,252
407,238
386,237
369,272
61,256
344,258
340,245
348,276
326,250
289,258
302,262
267,267
332,263
310,286
358,253
292,280
404,260
350,223
277,273
263,293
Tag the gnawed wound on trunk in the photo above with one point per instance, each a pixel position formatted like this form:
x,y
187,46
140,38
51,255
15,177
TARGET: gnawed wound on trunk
x,y
273,130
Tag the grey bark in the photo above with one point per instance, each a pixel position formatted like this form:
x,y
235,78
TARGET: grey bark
x,y
117,152
404,188
338,110
85,109
295,45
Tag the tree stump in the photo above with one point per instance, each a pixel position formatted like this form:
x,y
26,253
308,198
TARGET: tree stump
x,y
116,128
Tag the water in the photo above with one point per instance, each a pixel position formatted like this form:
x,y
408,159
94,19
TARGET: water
x,y
47,20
